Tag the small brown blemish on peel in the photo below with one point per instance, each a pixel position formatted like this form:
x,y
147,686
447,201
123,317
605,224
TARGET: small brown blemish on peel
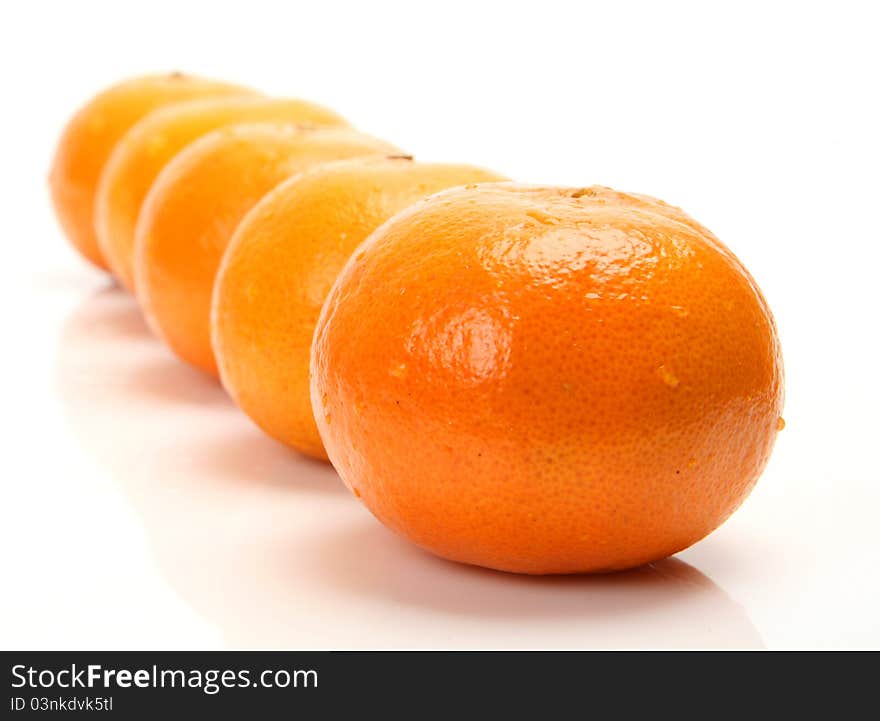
x,y
399,157
667,376
581,192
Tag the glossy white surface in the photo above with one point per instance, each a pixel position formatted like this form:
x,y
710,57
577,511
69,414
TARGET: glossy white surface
x,y
141,510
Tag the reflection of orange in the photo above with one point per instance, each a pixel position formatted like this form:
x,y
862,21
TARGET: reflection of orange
x,y
280,265
547,380
148,146
90,136
195,205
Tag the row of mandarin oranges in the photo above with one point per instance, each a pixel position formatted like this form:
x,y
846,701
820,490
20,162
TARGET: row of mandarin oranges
x,y
533,379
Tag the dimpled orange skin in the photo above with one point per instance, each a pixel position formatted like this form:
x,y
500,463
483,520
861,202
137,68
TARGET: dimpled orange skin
x,y
194,207
281,264
547,380
89,138
145,149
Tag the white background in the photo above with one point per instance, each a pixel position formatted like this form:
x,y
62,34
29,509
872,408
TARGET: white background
x,y
140,510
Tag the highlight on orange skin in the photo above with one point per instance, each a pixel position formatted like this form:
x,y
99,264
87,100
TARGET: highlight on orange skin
x,y
147,147
197,202
547,380
90,136
280,266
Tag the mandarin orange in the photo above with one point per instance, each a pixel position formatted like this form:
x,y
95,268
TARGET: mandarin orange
x,y
547,380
